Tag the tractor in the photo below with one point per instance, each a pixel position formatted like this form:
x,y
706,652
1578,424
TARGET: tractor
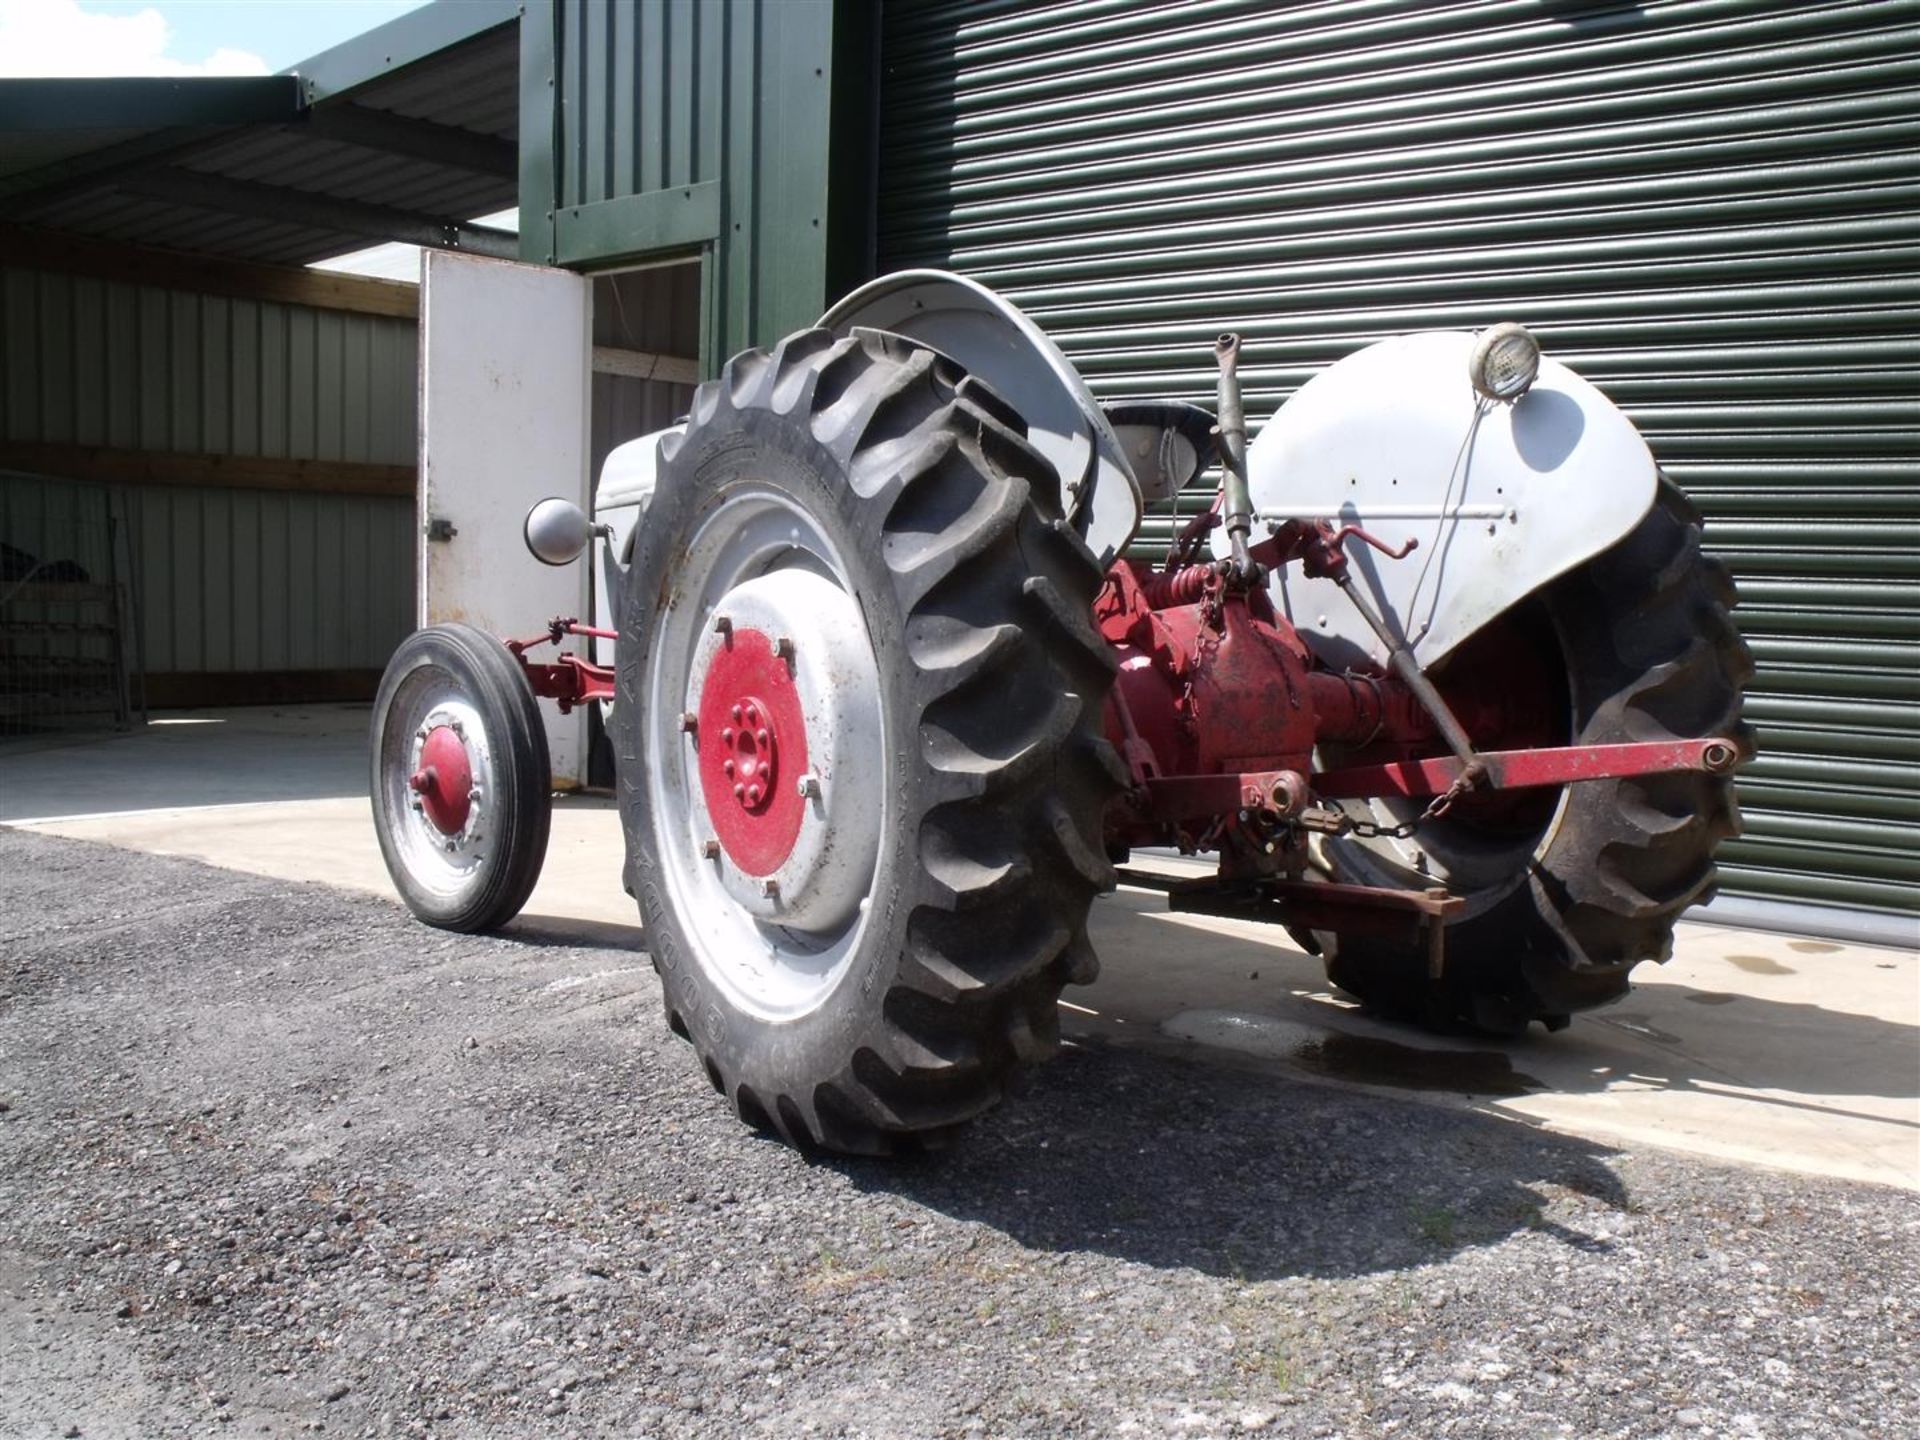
x,y
1442,678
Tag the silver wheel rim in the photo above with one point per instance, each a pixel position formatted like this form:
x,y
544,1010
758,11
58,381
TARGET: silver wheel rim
x,y
446,866
764,564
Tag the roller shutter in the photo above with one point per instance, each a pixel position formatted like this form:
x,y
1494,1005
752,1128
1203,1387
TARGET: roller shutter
x,y
1709,207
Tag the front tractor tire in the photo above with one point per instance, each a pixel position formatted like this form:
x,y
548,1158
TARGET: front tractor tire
x,y
861,772
1560,908
461,778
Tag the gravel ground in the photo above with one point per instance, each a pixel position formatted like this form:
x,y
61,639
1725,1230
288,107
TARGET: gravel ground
x,y
274,1158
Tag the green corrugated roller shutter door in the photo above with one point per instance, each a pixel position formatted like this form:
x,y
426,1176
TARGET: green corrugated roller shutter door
x,y
1709,207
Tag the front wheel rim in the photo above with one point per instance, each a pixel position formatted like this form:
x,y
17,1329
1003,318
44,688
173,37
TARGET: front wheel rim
x,y
442,837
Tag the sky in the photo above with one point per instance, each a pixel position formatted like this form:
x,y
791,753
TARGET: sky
x,y
178,37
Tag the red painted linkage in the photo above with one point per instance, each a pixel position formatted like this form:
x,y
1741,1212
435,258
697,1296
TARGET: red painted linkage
x,y
572,679
1518,769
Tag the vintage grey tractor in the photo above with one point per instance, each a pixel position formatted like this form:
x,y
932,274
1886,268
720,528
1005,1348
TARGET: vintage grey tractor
x,y
1442,678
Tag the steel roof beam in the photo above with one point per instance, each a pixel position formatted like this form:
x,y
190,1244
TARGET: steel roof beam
x,y
393,134
315,211
147,103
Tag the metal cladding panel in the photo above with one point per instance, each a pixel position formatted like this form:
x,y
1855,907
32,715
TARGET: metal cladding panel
x,y
264,580
1711,208
658,97
99,362
230,579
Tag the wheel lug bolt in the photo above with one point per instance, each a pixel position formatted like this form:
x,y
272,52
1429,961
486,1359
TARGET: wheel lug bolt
x,y
710,850
726,767
754,792
753,715
726,734
722,625
689,722
736,714
739,792
783,647
458,727
809,786
771,889
761,736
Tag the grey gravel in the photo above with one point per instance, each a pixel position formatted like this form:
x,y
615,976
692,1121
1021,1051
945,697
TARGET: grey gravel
x,y
275,1159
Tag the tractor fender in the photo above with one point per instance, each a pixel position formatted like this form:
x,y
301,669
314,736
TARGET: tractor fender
x,y
1503,498
989,337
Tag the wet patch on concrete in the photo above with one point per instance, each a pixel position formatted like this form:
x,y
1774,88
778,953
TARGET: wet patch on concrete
x,y
1814,947
1709,997
1760,965
1361,1059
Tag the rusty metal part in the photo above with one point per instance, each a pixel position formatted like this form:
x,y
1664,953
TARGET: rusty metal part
x,y
1519,769
1410,917
1276,794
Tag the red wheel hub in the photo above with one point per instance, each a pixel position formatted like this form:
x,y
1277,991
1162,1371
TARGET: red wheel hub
x,y
444,781
752,739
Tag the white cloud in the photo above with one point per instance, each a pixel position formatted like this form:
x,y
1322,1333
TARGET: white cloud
x,y
58,37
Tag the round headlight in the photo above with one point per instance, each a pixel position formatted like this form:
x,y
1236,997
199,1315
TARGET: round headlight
x,y
1505,361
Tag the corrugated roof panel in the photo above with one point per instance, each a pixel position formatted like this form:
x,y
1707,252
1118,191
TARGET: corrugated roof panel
x,y
472,86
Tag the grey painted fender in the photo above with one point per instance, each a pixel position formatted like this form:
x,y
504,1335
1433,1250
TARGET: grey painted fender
x,y
991,338
1502,498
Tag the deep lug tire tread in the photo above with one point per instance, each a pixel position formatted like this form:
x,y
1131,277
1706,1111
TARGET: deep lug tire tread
x,y
1655,653
1004,680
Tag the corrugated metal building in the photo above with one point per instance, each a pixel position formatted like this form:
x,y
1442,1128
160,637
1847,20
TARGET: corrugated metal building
x,y
1710,207
229,439
229,580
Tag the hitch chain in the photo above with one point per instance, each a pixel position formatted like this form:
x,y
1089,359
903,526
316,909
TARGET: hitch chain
x,y
1368,830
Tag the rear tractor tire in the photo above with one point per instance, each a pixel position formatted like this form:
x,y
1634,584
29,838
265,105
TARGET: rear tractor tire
x,y
1557,917
861,771
461,779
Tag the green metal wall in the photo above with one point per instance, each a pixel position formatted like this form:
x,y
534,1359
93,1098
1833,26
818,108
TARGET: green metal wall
x,y
228,579
663,127
1709,207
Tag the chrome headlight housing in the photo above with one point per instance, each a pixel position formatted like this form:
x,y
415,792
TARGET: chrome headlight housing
x,y
1505,362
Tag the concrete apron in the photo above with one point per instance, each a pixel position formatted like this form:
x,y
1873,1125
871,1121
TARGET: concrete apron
x,y
1778,1050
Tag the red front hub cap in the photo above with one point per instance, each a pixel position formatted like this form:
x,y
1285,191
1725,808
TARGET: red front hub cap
x,y
444,781
753,750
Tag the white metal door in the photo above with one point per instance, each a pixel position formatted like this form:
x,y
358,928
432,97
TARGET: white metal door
x,y
504,364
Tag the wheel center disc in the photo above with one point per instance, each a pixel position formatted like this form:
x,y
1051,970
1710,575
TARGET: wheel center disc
x,y
444,781
752,732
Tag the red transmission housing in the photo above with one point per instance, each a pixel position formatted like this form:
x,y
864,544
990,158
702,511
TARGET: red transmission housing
x,y
1209,682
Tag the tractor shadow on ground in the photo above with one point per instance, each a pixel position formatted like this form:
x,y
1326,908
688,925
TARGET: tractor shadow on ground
x,y
1165,1161
1140,1144
1163,971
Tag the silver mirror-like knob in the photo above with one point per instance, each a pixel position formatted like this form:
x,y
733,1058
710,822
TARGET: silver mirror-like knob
x,y
557,531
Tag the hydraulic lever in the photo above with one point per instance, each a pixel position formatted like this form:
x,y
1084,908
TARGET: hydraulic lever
x,y
1325,556
1231,428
